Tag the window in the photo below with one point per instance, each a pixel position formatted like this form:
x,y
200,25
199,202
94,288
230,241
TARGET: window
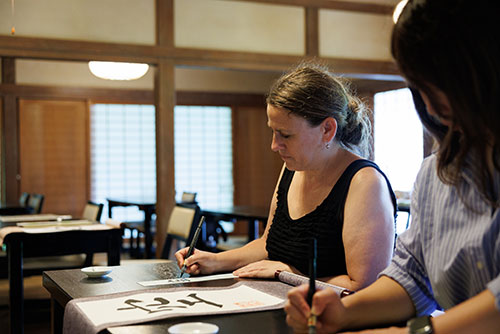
x,y
398,136
203,154
123,155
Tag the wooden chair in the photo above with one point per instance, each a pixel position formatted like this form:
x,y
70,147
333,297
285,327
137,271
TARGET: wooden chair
x,y
23,199
92,211
138,227
181,226
188,197
24,207
35,201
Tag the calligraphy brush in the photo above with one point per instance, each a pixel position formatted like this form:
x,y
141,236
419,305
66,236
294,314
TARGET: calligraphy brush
x,y
311,321
193,243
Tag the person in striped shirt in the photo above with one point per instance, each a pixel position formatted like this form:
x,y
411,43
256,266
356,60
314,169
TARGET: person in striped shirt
x,y
449,259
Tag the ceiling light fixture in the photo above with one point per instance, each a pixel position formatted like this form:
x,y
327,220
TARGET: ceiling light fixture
x,y
117,71
398,10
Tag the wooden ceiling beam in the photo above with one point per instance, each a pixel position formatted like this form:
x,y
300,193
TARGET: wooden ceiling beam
x,y
369,8
58,49
55,49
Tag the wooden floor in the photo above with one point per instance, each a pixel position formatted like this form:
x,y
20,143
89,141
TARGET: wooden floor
x,y
37,306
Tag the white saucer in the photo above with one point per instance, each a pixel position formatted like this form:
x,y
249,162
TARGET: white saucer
x,y
193,328
96,271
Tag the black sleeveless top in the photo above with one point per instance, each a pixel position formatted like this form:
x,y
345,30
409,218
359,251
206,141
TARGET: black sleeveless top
x,y
288,240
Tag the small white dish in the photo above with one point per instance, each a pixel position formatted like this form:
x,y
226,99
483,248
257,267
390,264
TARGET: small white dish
x,y
96,271
193,328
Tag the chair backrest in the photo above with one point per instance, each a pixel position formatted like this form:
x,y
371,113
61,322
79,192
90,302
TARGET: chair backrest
x,y
181,225
23,199
188,197
35,202
92,211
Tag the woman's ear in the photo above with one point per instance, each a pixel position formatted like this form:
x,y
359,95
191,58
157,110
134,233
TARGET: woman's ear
x,y
329,129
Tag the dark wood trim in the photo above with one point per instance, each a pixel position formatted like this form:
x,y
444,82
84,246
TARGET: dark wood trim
x,y
43,48
332,4
111,95
11,149
220,99
279,63
312,32
372,87
8,70
88,153
165,23
59,49
78,93
165,177
10,140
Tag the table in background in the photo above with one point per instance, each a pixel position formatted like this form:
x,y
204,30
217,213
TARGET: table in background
x,y
20,245
253,215
65,285
148,206
33,218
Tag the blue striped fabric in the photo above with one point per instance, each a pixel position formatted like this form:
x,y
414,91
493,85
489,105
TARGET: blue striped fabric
x,y
451,251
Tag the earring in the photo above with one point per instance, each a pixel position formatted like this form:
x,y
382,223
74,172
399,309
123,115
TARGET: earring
x,y
327,146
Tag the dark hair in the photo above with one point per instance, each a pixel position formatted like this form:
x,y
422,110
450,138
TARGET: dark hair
x,y
312,92
452,45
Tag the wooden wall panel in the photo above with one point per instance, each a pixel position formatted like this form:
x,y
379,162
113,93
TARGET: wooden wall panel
x,y
256,167
53,147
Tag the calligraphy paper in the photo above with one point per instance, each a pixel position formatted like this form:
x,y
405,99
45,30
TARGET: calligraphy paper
x,y
183,280
143,306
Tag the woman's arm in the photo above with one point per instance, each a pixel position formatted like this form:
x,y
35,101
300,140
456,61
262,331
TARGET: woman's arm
x,y
476,315
206,263
383,302
368,233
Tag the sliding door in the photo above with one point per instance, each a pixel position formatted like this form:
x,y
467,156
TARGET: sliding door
x,y
54,153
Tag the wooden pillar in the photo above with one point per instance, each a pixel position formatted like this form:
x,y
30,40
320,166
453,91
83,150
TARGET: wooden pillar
x,y
10,142
165,103
312,32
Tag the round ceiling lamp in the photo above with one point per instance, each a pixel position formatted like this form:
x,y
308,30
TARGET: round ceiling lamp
x,y
398,10
117,71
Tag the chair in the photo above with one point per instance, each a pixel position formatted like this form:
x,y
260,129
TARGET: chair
x,y
138,227
188,197
181,226
29,203
23,199
35,202
92,211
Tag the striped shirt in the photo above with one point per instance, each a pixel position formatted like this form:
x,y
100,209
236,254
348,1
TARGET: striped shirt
x,y
451,251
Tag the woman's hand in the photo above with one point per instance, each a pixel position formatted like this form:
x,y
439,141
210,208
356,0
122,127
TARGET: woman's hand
x,y
261,269
327,307
199,262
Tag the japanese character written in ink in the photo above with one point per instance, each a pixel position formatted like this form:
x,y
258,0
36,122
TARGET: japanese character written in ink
x,y
163,304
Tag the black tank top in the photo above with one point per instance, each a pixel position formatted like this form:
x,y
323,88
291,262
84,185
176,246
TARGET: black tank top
x,y
288,240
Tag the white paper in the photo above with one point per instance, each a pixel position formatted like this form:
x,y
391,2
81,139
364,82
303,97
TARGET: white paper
x,y
143,306
186,280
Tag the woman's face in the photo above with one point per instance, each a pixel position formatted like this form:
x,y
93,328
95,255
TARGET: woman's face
x,y
294,139
439,108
